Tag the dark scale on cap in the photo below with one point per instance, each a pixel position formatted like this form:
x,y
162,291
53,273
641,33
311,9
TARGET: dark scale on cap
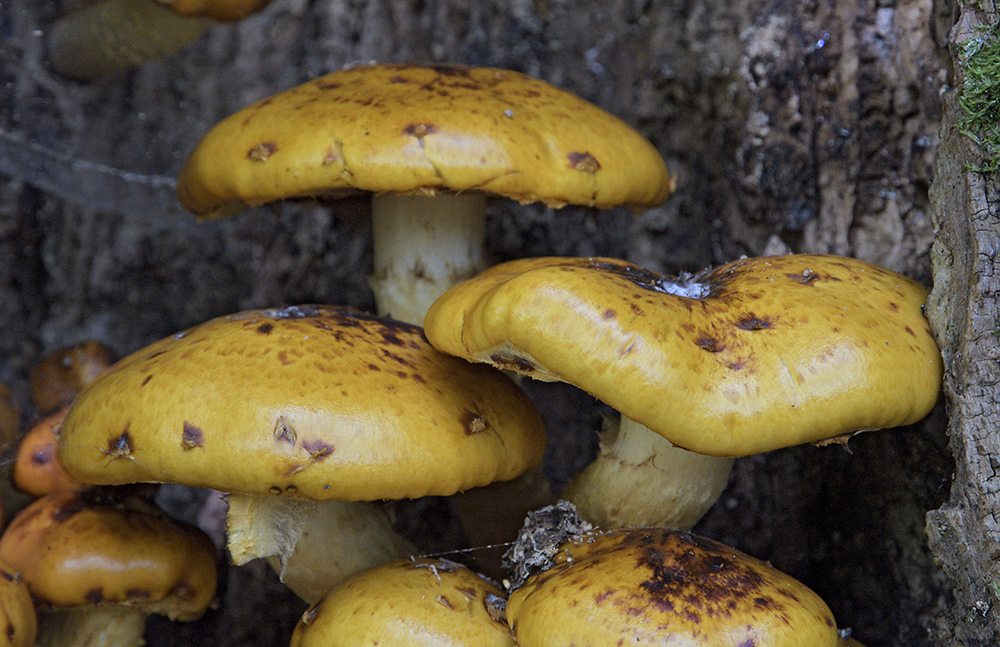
x,y
265,328
710,344
512,362
192,437
94,596
584,162
698,572
420,130
121,446
262,151
752,322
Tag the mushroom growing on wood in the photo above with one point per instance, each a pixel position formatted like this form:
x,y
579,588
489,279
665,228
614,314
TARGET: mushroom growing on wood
x,y
431,142
100,561
755,355
303,414
651,586
98,37
408,603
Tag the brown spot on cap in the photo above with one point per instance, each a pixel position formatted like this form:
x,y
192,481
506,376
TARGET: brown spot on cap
x,y
708,343
121,445
473,423
94,596
512,362
751,322
584,162
265,328
192,437
444,601
420,130
260,152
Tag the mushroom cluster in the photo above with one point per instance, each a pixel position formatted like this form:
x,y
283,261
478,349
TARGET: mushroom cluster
x,y
308,417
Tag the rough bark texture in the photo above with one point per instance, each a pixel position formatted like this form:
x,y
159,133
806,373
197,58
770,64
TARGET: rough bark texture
x,y
963,533
802,126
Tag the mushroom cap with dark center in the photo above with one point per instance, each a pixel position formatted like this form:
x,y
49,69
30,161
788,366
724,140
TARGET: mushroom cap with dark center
x,y
757,354
77,548
415,129
652,586
313,402
419,603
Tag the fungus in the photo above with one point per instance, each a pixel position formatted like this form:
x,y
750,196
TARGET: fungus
x,y
755,355
652,586
100,561
303,415
60,375
430,142
417,603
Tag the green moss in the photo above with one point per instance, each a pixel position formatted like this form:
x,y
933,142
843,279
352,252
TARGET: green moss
x,y
980,96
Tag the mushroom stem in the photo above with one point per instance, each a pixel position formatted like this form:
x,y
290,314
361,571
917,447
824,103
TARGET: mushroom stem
x,y
641,479
313,545
110,35
108,626
424,245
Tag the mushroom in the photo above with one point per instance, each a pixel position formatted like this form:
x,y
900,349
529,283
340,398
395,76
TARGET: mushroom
x,y
18,621
431,142
652,586
408,603
36,469
100,561
302,414
60,375
755,355
97,37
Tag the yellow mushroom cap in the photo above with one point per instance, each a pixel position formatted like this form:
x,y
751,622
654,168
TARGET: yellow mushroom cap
x,y
649,586
77,548
220,10
755,355
18,622
309,401
408,603
413,129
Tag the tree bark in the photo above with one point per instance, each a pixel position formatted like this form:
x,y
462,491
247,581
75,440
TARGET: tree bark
x,y
804,127
963,532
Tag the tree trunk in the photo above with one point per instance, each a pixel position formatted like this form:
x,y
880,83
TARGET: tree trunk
x,y
791,126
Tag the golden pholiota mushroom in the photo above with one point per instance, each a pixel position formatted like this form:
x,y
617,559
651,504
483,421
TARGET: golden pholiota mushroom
x,y
36,469
431,143
408,603
304,414
18,621
755,355
651,586
99,561
60,375
95,38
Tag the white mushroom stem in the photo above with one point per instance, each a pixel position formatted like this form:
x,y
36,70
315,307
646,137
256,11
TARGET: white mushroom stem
x,y
109,35
313,545
91,626
641,479
424,245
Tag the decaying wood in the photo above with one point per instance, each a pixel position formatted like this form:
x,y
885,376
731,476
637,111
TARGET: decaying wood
x,y
802,126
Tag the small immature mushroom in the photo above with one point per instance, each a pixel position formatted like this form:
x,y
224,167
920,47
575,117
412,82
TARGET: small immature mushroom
x,y
98,37
651,586
408,603
36,469
18,621
431,142
99,561
302,414
63,373
755,355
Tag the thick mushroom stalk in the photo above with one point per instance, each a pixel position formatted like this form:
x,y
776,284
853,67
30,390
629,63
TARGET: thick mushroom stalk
x,y
116,626
640,479
313,545
424,245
